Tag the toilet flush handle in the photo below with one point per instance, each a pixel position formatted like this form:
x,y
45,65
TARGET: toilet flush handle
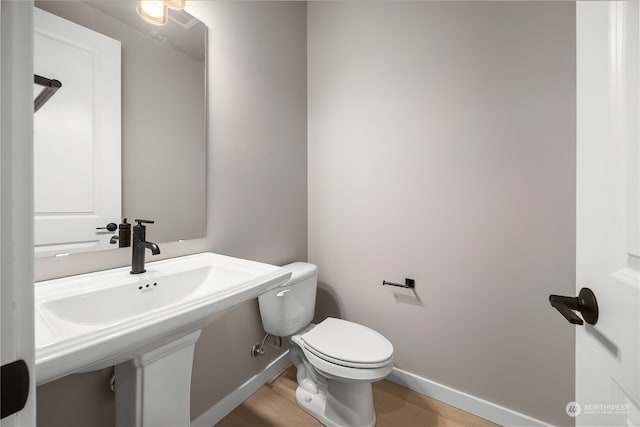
x,y
282,293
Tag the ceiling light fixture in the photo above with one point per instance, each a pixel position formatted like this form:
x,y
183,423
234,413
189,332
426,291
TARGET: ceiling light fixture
x,y
155,11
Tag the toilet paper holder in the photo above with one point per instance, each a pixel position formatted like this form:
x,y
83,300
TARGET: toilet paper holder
x,y
408,283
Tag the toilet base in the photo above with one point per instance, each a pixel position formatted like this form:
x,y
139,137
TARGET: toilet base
x,y
345,404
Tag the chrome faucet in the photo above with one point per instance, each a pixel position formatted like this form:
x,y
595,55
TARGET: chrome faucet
x,y
139,244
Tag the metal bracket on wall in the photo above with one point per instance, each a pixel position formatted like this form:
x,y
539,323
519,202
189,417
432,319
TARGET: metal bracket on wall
x,y
408,283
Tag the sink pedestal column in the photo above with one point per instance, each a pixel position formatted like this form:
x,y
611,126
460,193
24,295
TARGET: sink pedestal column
x,y
154,388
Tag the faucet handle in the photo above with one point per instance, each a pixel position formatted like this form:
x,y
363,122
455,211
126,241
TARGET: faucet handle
x,y
144,221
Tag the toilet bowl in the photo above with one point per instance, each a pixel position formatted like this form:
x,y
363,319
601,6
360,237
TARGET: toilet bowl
x,y
336,360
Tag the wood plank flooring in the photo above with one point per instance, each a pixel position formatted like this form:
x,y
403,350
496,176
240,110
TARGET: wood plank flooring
x,y
274,405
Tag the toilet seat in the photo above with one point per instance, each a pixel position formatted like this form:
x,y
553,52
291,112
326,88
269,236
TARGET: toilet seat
x,y
348,345
346,373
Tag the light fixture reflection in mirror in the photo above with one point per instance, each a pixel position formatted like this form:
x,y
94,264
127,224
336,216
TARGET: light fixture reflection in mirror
x,y
155,11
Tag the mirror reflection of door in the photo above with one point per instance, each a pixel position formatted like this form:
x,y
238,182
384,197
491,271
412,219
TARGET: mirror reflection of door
x,y
77,137
162,122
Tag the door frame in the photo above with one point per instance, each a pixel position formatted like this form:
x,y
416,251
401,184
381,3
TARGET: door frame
x,y
16,195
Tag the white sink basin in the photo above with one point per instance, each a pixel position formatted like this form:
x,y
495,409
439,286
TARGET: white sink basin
x,y
101,319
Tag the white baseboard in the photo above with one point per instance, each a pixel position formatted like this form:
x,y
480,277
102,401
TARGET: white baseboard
x,y
466,402
221,409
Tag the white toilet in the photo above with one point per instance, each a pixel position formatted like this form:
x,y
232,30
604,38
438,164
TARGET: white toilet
x,y
337,360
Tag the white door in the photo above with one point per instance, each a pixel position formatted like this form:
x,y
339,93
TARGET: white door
x,y
16,178
608,196
77,138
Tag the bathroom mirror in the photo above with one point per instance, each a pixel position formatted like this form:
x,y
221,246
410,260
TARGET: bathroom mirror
x,y
160,165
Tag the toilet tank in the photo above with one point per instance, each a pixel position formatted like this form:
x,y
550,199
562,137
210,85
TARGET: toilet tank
x,y
290,307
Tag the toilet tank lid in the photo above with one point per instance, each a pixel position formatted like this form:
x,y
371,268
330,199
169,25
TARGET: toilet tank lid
x,y
299,272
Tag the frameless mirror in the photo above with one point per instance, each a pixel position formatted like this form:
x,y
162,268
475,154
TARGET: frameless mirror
x,y
125,134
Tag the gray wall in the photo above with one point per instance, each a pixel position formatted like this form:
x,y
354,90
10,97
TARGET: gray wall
x,y
256,197
442,148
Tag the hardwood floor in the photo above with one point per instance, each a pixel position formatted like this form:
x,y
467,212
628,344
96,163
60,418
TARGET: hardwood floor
x,y
274,405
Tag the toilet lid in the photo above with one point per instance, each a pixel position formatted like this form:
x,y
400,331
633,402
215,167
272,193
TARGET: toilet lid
x,y
341,341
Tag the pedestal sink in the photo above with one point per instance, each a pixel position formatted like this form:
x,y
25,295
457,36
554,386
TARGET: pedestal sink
x,y
145,325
